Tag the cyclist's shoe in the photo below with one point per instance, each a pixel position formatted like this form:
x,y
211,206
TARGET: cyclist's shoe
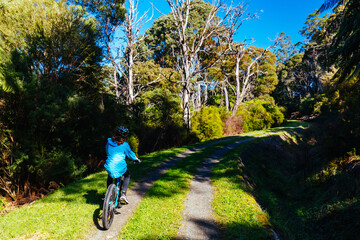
x,y
123,199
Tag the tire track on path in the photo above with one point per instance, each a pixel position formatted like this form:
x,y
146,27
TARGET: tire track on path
x,y
198,216
138,191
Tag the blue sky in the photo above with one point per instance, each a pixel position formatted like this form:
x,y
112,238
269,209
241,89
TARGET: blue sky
x,y
275,16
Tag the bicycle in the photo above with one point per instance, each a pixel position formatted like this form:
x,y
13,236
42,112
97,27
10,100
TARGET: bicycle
x,y
111,202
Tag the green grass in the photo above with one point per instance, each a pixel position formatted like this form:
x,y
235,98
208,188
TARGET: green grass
x,y
235,207
65,214
305,197
158,216
70,212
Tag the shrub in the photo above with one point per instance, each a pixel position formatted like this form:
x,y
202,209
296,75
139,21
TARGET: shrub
x,y
207,123
260,113
3,203
57,165
314,105
233,125
133,141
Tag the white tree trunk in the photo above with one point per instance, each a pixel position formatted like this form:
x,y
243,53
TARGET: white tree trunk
x,y
237,79
226,96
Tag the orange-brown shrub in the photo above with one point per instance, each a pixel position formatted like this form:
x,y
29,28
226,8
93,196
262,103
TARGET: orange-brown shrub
x,y
233,125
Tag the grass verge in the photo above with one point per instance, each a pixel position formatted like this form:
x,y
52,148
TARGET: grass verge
x,y
306,195
158,216
236,210
70,212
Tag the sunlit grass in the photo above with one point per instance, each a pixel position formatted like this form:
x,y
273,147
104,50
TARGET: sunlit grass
x,y
159,214
65,214
69,212
235,208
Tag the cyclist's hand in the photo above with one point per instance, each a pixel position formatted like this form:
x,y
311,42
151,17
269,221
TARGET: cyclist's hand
x,y
138,160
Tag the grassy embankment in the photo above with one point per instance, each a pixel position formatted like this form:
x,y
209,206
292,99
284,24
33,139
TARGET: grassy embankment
x,y
236,209
307,194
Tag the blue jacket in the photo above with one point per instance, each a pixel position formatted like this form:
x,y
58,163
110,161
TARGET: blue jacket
x,y
115,163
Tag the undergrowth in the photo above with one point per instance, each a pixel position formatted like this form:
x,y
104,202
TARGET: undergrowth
x,y
307,194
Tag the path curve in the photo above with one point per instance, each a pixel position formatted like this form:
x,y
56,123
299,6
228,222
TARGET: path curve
x,y
138,191
198,220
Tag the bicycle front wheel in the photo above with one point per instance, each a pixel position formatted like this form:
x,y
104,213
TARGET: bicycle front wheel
x,y
109,206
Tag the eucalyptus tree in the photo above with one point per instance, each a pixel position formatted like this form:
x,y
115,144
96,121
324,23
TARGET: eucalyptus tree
x,y
110,15
345,48
344,53
134,48
190,39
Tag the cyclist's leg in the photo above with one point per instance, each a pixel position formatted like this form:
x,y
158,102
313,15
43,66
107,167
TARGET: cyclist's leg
x,y
125,185
126,182
109,181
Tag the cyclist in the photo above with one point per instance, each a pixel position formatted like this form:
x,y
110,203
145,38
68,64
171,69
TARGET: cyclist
x,y
117,150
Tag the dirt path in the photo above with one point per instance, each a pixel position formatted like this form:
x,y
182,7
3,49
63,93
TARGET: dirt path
x,y
198,217
137,192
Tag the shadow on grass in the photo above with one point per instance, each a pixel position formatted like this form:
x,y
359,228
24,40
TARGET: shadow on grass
x,y
93,197
280,173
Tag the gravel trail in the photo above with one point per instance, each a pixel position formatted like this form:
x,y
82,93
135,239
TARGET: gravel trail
x,y
136,193
198,216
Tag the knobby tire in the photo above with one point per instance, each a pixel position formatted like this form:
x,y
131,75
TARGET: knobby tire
x,y
109,206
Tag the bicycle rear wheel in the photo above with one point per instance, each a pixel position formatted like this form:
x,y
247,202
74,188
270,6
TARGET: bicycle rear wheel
x,y
109,206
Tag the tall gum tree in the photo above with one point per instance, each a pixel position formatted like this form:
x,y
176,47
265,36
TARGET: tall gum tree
x,y
132,49
190,43
110,14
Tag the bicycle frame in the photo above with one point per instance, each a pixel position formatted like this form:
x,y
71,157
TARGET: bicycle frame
x,y
118,189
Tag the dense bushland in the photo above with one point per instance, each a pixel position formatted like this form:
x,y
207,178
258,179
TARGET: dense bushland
x,y
63,92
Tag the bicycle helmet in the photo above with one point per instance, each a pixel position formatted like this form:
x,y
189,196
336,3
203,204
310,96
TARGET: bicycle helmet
x,y
122,131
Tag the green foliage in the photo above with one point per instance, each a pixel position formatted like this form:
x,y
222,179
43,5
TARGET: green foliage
x,y
105,10
161,118
133,141
3,203
260,113
267,79
316,105
160,77
162,34
54,165
345,48
52,89
207,123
